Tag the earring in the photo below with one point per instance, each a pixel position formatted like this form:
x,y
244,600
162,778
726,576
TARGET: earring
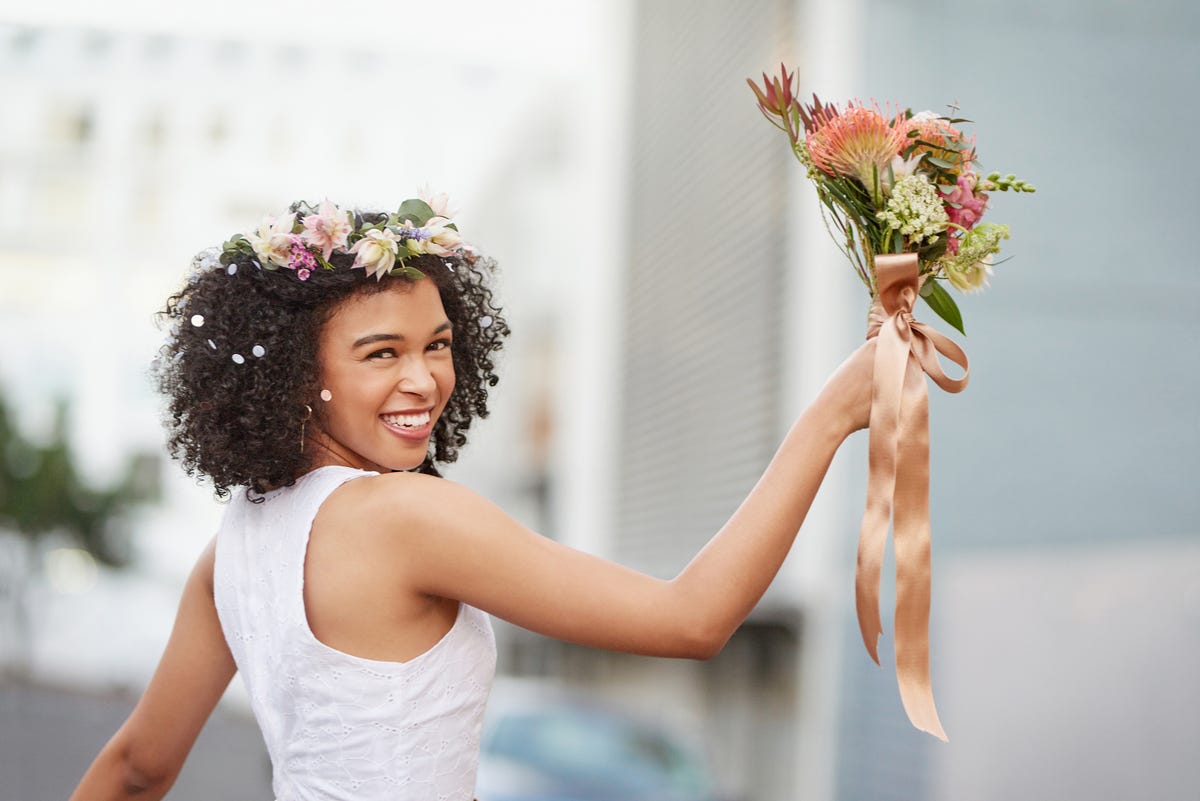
x,y
326,395
308,414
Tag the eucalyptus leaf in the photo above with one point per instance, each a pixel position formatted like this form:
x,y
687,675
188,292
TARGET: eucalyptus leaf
x,y
943,305
411,273
942,163
416,210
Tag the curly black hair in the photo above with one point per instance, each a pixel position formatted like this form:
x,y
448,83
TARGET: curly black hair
x,y
240,367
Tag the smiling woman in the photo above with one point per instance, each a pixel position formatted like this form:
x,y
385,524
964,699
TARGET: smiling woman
x,y
326,362
240,368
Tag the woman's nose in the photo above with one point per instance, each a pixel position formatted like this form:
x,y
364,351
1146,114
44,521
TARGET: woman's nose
x,y
416,378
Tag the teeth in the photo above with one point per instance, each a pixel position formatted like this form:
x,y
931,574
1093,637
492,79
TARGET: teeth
x,y
406,420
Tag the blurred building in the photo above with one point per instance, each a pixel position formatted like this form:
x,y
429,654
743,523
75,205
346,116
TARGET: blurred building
x,y
676,302
1067,555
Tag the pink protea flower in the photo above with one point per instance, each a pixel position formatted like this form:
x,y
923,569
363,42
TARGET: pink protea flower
x,y
964,206
856,143
327,229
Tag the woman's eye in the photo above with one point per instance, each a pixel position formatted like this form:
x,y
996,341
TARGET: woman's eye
x,y
386,353
441,344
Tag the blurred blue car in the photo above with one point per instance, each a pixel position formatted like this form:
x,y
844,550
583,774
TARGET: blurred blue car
x,y
543,744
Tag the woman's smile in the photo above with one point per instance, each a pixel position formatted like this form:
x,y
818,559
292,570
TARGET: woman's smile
x,y
410,425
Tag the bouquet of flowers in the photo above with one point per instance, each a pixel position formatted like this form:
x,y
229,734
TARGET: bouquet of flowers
x,y
895,183
901,195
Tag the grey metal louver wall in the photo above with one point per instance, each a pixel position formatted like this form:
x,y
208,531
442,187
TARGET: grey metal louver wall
x,y
701,373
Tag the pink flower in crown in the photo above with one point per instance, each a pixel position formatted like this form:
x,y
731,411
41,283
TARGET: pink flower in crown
x,y
327,229
440,202
859,142
303,260
964,206
272,242
376,252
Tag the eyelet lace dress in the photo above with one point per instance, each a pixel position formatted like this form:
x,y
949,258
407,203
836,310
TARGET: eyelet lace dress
x,y
339,726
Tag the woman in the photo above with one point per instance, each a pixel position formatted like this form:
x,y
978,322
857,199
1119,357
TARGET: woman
x,y
326,363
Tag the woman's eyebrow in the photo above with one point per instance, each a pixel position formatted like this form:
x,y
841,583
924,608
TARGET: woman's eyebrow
x,y
370,339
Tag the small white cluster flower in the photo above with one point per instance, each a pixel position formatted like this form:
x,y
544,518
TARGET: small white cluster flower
x,y
915,210
968,270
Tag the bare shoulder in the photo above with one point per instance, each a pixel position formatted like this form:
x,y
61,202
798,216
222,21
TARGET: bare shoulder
x,y
400,502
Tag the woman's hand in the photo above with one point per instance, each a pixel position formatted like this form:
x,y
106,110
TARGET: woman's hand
x,y
847,392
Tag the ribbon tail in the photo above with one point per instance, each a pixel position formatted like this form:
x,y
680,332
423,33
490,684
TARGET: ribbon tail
x,y
913,562
891,354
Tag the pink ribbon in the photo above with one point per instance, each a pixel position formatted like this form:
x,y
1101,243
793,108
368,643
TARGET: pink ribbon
x,y
898,478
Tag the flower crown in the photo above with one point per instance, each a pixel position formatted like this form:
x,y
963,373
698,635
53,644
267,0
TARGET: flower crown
x,y
307,239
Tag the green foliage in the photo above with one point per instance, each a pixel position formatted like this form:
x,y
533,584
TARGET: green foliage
x,y
1009,182
42,493
414,210
943,305
411,273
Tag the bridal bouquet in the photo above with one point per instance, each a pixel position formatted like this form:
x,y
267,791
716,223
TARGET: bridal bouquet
x,y
894,183
903,198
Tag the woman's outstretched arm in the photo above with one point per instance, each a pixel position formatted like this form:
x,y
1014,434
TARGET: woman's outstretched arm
x,y
440,539
146,754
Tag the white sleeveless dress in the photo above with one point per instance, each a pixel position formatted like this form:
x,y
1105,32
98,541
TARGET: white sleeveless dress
x,y
339,727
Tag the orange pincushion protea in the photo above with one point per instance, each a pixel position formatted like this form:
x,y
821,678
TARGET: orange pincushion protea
x,y
949,143
856,143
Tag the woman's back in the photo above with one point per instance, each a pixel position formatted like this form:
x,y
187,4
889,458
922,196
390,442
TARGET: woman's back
x,y
337,725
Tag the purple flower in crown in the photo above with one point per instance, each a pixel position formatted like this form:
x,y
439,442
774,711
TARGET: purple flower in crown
x,y
303,241
436,237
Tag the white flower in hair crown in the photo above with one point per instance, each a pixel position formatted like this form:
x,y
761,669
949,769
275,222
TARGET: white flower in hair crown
x,y
307,240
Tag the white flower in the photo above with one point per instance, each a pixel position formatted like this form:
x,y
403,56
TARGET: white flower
x,y
915,210
972,278
273,240
440,238
435,237
969,268
376,252
900,169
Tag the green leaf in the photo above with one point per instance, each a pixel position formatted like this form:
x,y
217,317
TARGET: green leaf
x,y
411,273
416,210
942,163
943,305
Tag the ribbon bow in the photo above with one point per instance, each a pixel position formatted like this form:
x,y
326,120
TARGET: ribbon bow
x,y
898,478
